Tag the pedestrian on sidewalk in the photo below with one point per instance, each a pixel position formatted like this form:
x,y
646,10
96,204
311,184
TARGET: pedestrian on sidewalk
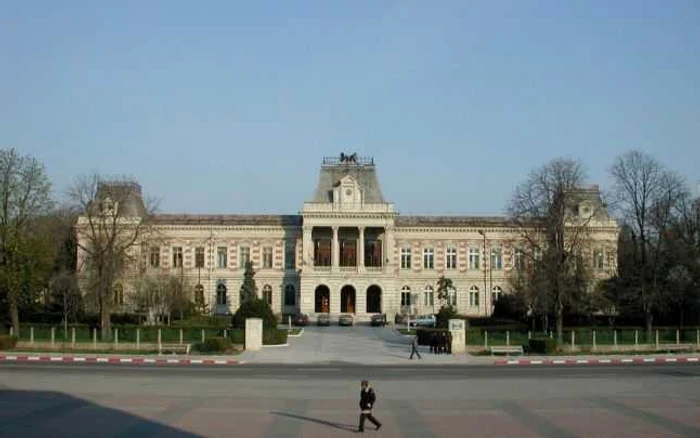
x,y
367,401
414,347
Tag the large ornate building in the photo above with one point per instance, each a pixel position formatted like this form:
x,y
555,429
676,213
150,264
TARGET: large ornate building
x,y
349,251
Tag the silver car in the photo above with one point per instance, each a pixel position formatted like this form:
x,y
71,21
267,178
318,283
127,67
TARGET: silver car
x,y
345,319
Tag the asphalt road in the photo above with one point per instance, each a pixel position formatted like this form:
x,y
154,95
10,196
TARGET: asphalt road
x,y
74,400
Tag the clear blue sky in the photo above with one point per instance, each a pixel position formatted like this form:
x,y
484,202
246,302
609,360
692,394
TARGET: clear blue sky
x,y
228,107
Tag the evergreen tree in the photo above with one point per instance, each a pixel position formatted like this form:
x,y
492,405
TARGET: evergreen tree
x,y
249,292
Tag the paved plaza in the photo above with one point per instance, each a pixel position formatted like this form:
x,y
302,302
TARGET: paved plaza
x,y
71,400
359,344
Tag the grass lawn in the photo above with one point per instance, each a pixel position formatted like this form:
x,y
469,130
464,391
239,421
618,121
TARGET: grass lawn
x,y
294,331
404,331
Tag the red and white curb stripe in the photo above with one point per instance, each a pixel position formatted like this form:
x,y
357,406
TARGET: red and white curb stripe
x,y
635,360
117,360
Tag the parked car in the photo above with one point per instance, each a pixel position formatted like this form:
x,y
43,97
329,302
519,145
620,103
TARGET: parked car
x,y
345,319
301,319
424,321
323,319
378,320
400,319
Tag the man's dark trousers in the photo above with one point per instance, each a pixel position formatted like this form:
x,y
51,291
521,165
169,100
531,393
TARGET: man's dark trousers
x,y
414,350
369,417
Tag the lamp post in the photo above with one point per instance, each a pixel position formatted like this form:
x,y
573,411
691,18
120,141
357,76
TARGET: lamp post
x,y
483,234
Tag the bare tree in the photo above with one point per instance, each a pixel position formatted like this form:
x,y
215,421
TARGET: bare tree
x,y
552,214
645,195
24,197
114,220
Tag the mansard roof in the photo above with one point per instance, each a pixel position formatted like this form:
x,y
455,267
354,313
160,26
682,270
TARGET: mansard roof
x,y
451,221
226,219
362,169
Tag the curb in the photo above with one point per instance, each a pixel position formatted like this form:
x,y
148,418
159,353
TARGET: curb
x,y
117,360
638,360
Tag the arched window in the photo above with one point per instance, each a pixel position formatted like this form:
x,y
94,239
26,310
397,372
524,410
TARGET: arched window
x,y
496,292
473,296
221,294
290,295
406,296
267,294
118,294
428,297
452,297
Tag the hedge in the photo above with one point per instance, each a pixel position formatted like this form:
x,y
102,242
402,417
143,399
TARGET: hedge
x,y
542,346
213,345
274,337
7,342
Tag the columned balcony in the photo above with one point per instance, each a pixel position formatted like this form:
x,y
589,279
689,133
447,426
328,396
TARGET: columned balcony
x,y
346,249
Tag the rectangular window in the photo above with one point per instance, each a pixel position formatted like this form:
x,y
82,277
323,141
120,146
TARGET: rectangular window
x,y
405,298
199,257
518,259
405,258
348,253
474,258
598,259
222,256
428,258
244,256
373,253
290,256
322,252
451,258
154,257
497,258
267,257
177,257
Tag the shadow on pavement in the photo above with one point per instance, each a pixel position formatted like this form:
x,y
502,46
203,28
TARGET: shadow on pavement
x,y
56,415
340,426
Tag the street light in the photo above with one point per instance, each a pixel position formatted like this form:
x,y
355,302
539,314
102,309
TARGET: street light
x,y
486,292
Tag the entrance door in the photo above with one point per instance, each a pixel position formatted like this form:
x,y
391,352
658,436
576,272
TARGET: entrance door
x,y
374,299
322,299
347,299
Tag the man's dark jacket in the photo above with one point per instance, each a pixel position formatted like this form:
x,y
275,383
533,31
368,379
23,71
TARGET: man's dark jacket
x,y
367,399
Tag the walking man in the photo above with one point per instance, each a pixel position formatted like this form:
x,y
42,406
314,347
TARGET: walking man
x,y
414,347
367,400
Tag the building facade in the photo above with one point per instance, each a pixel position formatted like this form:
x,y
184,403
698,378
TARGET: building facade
x,y
349,251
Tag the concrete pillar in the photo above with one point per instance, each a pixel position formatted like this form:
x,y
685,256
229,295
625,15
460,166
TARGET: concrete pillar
x,y
678,337
253,334
486,339
160,339
458,332
226,333
594,343
203,335
181,337
529,335
697,338
657,339
507,338
361,251
12,330
116,337
335,249
53,336
94,337
615,338
31,335
636,337
573,339
72,336
138,339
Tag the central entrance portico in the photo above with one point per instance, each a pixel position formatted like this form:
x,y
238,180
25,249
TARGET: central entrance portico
x,y
347,231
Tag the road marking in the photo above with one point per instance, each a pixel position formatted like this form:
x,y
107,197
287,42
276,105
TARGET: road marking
x,y
80,359
693,359
56,359
671,359
604,361
125,360
102,359
33,358
536,362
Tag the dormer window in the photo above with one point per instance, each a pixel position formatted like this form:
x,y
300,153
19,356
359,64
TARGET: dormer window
x,y
585,209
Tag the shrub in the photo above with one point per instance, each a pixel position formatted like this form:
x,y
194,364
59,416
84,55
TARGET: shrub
x,y
204,321
444,316
7,342
274,337
255,308
237,336
542,346
213,345
424,334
